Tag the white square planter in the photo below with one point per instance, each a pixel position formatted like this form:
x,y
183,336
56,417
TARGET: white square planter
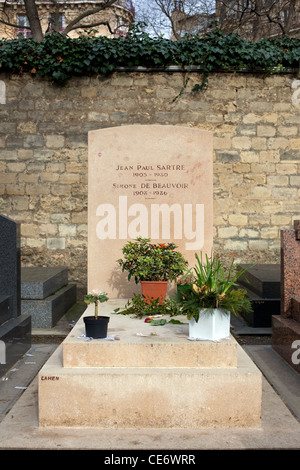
x,y
213,324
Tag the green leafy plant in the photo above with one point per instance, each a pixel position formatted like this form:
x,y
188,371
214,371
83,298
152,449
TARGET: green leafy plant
x,y
213,286
146,261
139,308
60,57
94,297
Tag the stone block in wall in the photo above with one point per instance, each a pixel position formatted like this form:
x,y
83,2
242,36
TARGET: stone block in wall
x,y
293,155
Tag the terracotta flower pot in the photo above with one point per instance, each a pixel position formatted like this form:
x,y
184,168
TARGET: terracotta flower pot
x,y
153,290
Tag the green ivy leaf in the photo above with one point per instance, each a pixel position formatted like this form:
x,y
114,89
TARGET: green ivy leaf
x,y
81,56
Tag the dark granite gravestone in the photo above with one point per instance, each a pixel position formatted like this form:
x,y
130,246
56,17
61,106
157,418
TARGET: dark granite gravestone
x,y
5,308
262,283
15,329
10,267
286,326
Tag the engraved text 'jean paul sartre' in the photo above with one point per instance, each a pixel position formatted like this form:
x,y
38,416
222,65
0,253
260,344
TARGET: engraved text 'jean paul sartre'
x,y
124,222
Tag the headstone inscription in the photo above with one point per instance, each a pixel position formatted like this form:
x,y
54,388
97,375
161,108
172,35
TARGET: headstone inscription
x,y
146,181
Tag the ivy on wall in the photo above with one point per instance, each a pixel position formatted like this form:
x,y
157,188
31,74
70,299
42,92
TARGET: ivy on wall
x,y
59,57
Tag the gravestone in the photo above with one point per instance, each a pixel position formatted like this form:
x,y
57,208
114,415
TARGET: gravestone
x,y
153,182
15,329
10,267
146,181
290,268
286,326
262,283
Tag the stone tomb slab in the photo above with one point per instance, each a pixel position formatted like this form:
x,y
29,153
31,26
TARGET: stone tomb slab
x,y
285,339
149,396
143,345
40,282
45,313
263,280
46,294
4,308
15,329
262,283
146,181
10,264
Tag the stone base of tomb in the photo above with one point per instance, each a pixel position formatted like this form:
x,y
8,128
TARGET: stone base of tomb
x,y
151,377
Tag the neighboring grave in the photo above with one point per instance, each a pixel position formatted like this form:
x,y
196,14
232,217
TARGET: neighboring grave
x,y
46,294
290,268
10,265
15,329
286,327
262,283
149,181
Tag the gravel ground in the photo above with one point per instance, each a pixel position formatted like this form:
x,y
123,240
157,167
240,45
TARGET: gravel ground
x,y
47,339
253,339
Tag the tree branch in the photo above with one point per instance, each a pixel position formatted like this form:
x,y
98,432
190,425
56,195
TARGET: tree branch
x,y
35,26
92,25
92,11
7,23
167,9
255,11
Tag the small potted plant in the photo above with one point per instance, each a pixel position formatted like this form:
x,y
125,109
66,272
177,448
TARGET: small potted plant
x,y
153,265
211,297
96,326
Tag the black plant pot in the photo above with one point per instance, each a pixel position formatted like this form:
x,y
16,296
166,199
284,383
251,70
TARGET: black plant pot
x,y
96,328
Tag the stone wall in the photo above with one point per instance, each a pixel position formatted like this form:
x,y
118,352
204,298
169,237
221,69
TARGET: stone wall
x,y
43,155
